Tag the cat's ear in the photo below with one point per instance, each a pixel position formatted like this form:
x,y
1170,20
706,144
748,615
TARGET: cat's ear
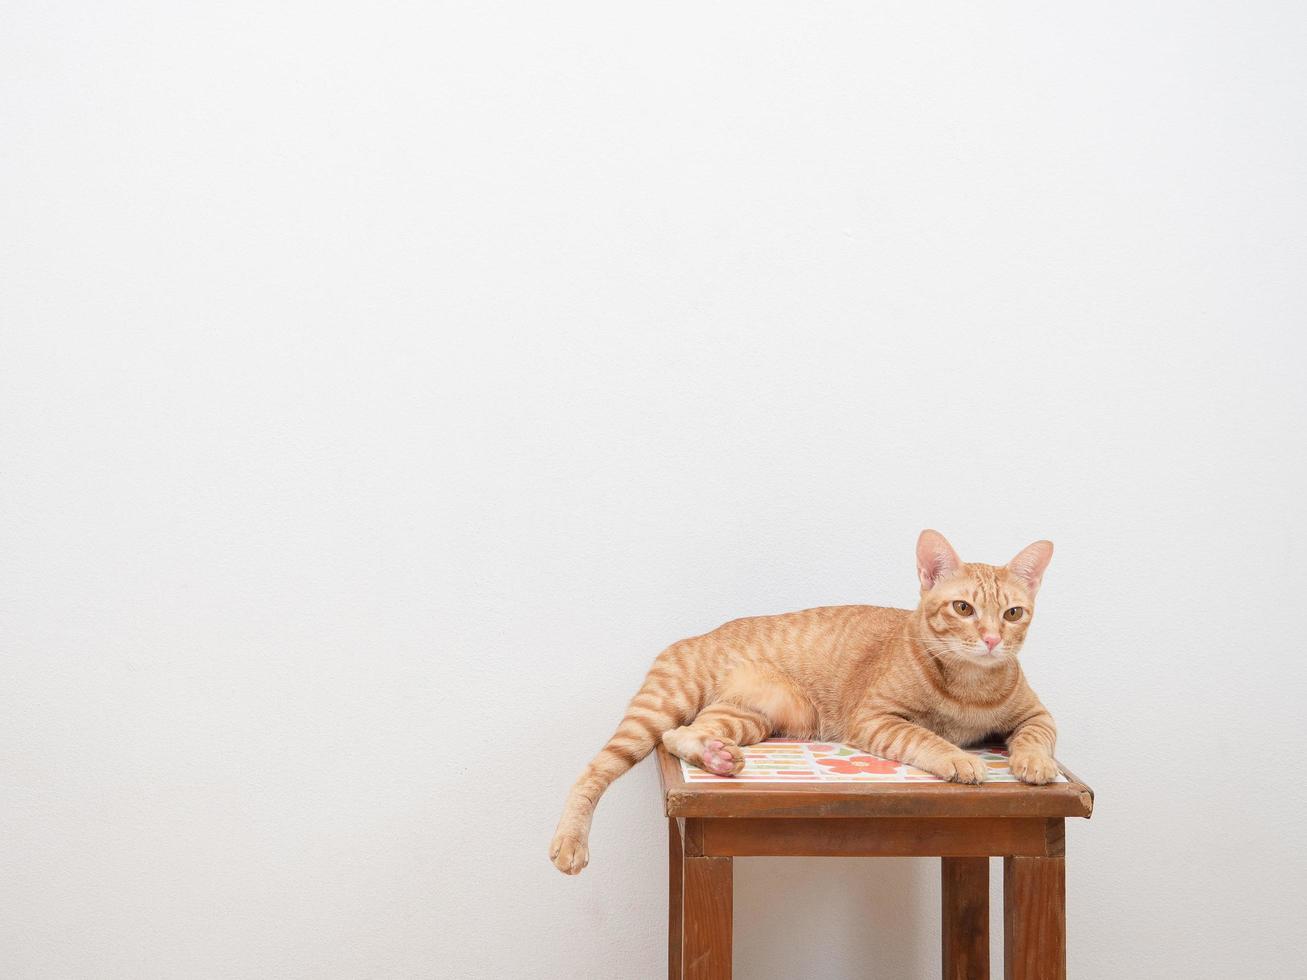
x,y
936,559
1029,565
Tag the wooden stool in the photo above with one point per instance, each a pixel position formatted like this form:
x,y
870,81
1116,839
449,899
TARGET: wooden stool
x,y
710,823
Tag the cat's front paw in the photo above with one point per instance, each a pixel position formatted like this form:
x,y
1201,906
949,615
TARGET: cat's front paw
x,y
1035,768
963,767
569,853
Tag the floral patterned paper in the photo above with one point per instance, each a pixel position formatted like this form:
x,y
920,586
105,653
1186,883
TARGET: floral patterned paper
x,y
783,760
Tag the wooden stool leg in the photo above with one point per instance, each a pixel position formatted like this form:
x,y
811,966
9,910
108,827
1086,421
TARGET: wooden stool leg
x,y
675,880
965,890
706,918
1034,918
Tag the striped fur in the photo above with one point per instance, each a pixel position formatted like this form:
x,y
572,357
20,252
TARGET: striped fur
x,y
912,685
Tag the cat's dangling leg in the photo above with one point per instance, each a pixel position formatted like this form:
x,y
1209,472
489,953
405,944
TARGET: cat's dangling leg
x,y
671,695
713,741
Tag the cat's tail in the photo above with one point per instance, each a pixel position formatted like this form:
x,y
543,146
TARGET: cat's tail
x,y
672,694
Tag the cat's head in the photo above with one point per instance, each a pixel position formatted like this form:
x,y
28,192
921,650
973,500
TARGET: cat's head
x,y
973,611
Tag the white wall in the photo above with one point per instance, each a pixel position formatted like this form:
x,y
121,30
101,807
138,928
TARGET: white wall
x,y
382,386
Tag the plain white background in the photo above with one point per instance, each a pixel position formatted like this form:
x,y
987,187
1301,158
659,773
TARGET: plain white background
x,y
383,385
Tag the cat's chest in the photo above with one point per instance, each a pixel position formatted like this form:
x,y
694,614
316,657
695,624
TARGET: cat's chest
x,y
963,723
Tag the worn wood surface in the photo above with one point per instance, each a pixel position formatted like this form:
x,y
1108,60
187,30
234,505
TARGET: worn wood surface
x,y
706,926
964,891
875,836
1034,918
674,885
752,799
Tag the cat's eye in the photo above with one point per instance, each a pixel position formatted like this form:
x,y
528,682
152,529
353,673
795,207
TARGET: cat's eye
x,y
1013,614
961,608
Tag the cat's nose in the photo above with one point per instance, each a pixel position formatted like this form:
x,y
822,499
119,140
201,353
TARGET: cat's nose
x,y
991,641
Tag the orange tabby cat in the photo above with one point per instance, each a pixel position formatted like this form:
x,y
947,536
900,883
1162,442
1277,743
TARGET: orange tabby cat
x,y
908,685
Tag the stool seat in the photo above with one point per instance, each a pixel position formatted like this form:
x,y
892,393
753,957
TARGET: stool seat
x,y
792,778
822,799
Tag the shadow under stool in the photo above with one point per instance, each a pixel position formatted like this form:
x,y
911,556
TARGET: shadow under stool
x,y
711,822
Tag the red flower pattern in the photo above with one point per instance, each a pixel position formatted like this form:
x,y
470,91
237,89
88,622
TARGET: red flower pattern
x,y
854,764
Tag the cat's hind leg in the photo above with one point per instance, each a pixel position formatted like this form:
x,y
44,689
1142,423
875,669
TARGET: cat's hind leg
x,y
670,695
753,703
712,742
